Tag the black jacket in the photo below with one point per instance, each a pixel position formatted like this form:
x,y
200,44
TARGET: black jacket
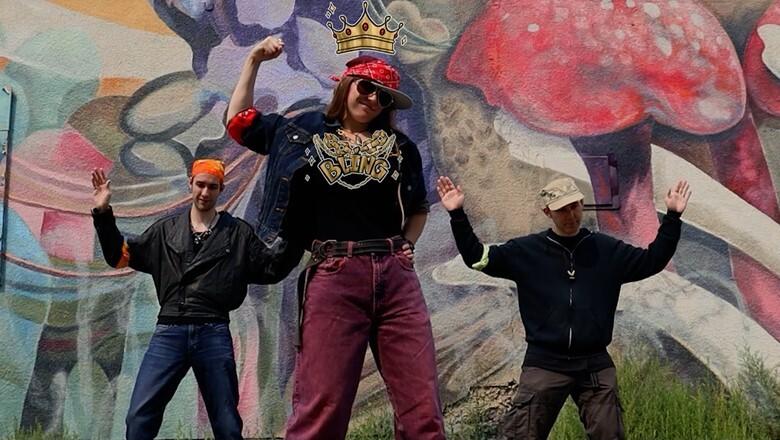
x,y
568,299
203,285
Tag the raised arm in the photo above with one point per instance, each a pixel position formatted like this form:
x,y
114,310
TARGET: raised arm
x,y
243,95
111,241
452,198
641,263
116,251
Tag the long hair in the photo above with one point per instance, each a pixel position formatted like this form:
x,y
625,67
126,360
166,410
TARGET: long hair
x,y
337,108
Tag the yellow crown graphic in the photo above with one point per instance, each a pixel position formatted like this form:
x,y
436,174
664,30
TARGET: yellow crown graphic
x,y
365,34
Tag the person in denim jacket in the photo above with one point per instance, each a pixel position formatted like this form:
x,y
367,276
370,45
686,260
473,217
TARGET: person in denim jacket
x,y
348,186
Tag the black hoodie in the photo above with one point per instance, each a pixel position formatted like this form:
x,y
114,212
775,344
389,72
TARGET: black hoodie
x,y
568,296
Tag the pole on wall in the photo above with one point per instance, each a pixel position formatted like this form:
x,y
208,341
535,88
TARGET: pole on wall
x,y
6,101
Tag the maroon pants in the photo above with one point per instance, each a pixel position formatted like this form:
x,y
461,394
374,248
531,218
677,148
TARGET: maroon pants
x,y
541,394
350,303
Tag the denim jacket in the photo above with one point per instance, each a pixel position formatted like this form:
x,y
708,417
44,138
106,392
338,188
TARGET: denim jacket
x,y
288,144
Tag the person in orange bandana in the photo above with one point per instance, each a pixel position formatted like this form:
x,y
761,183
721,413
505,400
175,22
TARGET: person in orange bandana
x,y
201,261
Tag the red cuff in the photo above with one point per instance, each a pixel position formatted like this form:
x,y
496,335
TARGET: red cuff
x,y
239,123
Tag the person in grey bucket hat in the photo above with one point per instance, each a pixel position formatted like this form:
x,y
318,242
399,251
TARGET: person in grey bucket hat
x,y
568,281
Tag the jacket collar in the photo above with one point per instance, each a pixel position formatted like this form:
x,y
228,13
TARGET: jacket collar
x,y
181,239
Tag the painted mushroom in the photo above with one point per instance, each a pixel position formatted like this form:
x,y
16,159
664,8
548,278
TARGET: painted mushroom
x,y
604,74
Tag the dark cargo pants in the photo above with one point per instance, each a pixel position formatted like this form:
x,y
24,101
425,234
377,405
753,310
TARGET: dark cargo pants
x,y
542,393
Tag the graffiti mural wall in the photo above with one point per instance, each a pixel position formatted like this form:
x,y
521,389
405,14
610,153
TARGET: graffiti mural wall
x,y
509,93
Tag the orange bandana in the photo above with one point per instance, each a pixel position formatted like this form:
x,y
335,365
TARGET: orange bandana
x,y
209,166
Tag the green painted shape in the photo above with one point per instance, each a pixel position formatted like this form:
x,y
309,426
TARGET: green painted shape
x,y
69,52
58,72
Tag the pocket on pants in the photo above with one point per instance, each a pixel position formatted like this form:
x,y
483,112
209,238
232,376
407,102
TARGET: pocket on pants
x,y
517,421
404,262
330,266
219,328
161,328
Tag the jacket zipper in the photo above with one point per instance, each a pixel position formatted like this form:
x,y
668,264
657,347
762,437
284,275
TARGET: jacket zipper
x,y
572,273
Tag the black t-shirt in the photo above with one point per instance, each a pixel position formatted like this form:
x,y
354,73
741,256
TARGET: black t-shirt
x,y
348,191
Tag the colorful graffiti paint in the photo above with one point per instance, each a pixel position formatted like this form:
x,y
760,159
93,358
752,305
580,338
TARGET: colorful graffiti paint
x,y
508,93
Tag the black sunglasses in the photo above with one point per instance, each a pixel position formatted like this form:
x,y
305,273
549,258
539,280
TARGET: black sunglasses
x,y
366,87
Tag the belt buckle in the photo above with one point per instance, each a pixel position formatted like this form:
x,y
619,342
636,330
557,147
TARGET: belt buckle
x,y
321,250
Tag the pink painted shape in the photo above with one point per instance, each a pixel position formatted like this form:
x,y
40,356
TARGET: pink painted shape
x,y
68,236
741,165
74,153
738,158
52,168
248,385
762,84
202,416
591,67
761,290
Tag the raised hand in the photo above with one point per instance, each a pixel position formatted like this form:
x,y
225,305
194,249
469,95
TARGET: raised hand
x,y
677,196
451,196
268,49
101,189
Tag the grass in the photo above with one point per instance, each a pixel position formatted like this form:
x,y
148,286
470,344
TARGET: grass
x,y
38,434
657,405
762,387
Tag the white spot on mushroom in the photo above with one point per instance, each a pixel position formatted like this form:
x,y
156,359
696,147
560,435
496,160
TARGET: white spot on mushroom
x,y
606,60
561,14
652,10
696,46
674,4
697,20
719,40
676,30
715,108
630,3
581,22
533,27
620,34
607,5
664,45
770,35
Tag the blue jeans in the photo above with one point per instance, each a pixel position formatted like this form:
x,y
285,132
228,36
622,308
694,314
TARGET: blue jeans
x,y
173,349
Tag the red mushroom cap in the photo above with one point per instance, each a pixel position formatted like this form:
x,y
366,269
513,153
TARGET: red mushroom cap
x,y
592,67
763,85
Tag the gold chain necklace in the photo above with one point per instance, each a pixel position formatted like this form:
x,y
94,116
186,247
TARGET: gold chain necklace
x,y
352,137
